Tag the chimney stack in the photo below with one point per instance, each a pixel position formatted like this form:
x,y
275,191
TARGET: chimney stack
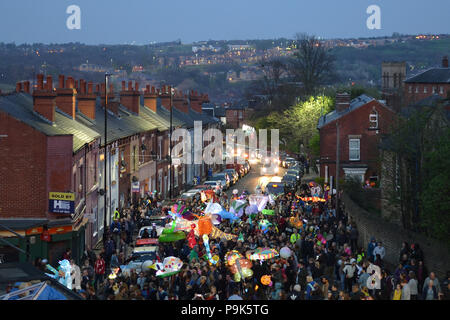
x,y
130,98
18,86
87,100
180,102
44,99
165,97
150,97
342,101
66,96
196,102
445,62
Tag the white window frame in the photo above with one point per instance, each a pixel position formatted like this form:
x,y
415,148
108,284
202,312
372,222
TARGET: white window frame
x,y
373,119
417,89
350,149
441,89
425,89
434,89
410,89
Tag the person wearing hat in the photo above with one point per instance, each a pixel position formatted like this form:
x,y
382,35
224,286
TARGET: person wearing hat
x,y
371,247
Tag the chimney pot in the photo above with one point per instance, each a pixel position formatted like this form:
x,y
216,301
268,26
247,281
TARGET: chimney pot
x,y
90,85
123,85
130,85
49,83
26,86
445,62
61,81
18,86
136,86
147,88
40,82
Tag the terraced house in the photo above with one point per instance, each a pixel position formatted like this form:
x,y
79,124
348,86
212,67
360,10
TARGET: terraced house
x,y
53,157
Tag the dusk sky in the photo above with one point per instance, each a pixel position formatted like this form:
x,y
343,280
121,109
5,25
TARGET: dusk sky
x,y
144,21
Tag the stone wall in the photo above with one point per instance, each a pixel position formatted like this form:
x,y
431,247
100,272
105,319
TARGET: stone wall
x,y
437,256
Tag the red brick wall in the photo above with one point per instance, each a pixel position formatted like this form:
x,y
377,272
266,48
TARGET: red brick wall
x,y
23,170
411,96
59,164
354,123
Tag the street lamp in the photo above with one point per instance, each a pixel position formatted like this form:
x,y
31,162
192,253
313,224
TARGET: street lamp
x,y
170,144
106,158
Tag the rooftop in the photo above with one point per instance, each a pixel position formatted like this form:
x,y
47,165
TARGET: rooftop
x,y
434,75
334,115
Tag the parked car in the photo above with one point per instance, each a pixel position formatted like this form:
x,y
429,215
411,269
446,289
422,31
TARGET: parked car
x,y
287,162
299,168
159,221
275,188
224,178
188,195
139,256
294,173
247,167
216,185
290,180
234,175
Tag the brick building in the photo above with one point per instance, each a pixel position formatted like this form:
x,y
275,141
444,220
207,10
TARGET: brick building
x,y
43,150
430,82
52,140
237,115
361,122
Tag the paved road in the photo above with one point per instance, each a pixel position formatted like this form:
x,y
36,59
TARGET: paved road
x,y
251,180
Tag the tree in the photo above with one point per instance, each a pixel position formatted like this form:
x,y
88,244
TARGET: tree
x,y
312,63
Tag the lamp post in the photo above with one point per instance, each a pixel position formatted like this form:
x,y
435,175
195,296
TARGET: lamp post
x,y
337,167
105,159
170,145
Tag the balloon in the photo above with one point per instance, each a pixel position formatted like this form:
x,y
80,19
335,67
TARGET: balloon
x,y
237,277
213,208
259,200
285,252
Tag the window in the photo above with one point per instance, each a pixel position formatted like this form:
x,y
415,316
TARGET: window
x,y
354,145
159,148
417,89
240,114
434,89
425,90
410,89
373,120
441,90
235,113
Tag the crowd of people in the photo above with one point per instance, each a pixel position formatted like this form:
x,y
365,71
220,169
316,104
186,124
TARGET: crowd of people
x,y
326,260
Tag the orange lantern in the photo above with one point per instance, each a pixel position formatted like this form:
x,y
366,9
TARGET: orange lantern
x,y
204,226
266,280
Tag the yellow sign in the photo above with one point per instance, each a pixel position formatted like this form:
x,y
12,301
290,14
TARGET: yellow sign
x,y
61,196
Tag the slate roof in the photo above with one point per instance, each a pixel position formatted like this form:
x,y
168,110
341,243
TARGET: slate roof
x,y
434,75
213,110
124,124
20,107
334,115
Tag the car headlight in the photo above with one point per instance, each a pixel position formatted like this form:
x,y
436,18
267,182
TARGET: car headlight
x,y
276,169
264,169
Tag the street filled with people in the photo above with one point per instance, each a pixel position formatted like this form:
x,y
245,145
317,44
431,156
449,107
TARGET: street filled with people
x,y
251,245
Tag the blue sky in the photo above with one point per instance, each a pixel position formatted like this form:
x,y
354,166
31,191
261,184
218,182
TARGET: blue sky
x,y
144,21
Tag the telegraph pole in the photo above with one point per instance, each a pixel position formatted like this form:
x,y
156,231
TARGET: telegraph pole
x,y
337,167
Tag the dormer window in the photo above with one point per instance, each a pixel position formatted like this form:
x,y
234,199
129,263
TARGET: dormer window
x,y
373,120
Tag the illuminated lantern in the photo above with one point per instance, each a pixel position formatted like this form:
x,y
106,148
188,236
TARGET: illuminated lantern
x,y
266,280
204,226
